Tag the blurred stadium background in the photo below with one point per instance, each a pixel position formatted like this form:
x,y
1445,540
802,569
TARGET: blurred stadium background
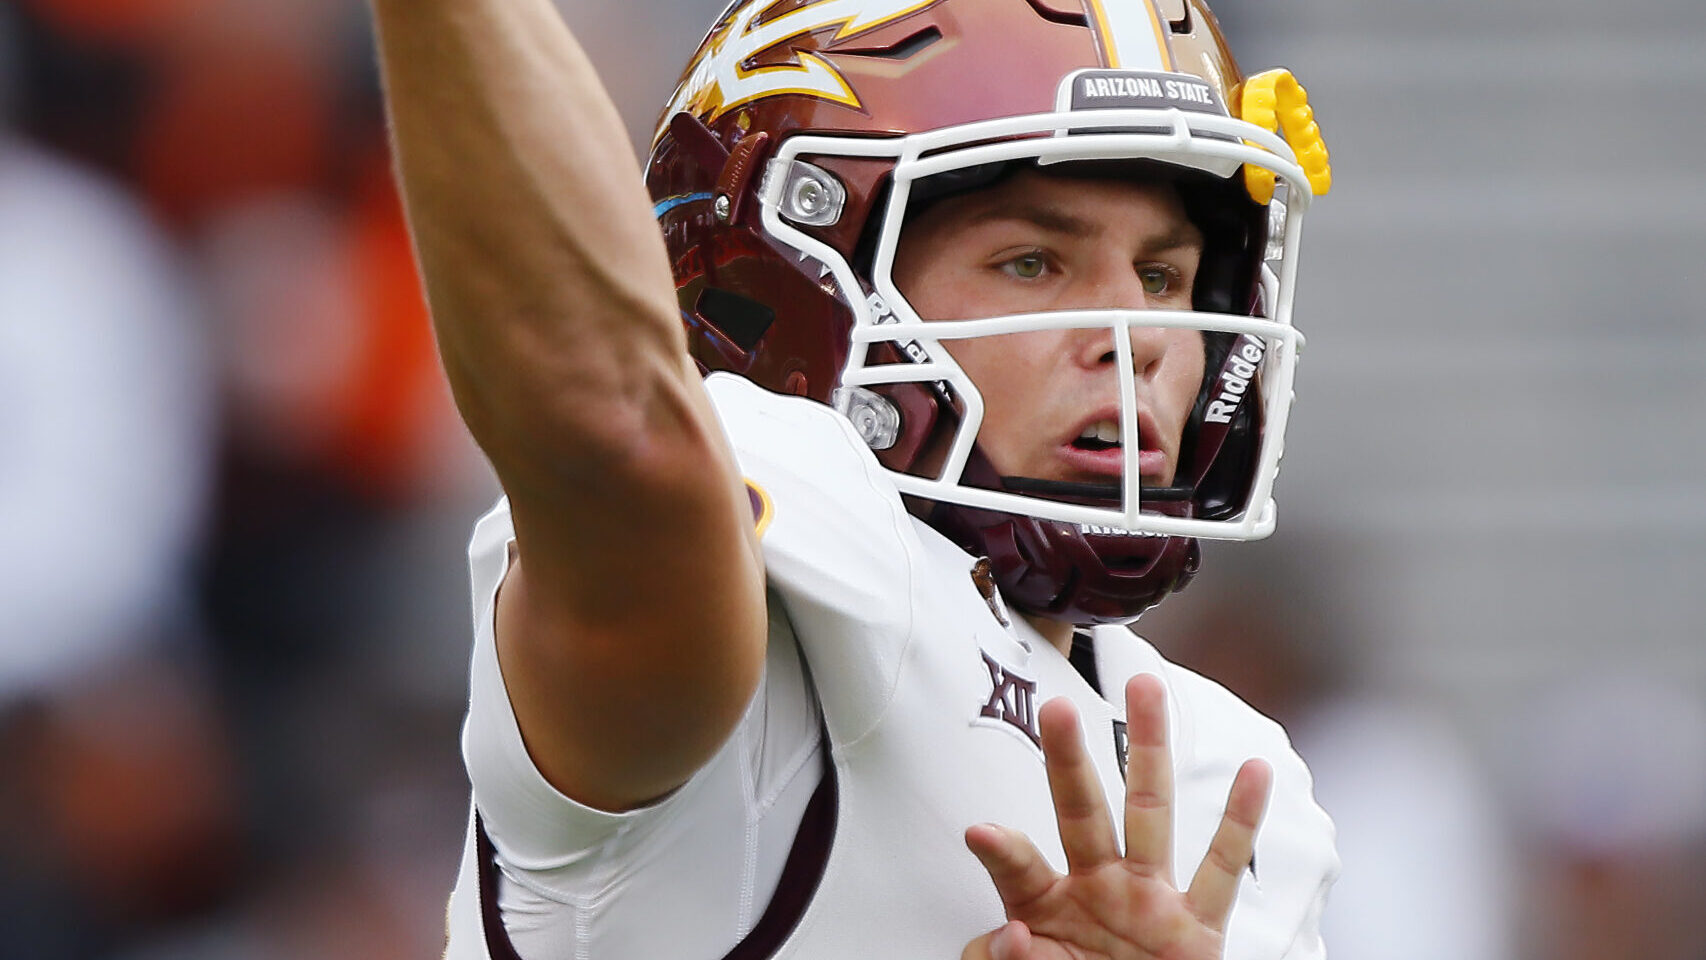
x,y
234,497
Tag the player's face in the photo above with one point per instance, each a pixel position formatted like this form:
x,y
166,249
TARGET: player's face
x,y
1038,243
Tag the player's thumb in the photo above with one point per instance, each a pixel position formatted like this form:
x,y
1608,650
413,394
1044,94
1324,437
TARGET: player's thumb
x,y
1010,942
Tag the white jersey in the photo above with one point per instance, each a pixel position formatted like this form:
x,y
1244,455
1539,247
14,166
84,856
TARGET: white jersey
x,y
927,694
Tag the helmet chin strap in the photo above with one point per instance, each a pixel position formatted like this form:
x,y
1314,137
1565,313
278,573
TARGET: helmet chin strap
x,y
1069,572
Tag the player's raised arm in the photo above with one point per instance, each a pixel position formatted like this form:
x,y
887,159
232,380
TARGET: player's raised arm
x,y
637,600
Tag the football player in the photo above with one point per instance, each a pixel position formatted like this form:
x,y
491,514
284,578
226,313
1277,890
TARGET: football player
x,y
946,328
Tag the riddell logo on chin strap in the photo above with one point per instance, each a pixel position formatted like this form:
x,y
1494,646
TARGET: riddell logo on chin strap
x,y
1236,378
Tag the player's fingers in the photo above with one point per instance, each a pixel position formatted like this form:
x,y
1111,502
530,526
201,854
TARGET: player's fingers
x,y
1148,779
978,949
1010,942
1018,870
1215,885
1080,806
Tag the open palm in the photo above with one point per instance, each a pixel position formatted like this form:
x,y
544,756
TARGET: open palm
x,y
1109,904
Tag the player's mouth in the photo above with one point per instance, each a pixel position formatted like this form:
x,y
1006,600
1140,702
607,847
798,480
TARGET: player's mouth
x,y
1097,449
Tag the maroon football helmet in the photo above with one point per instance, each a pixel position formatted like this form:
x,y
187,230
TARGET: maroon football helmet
x,y
805,132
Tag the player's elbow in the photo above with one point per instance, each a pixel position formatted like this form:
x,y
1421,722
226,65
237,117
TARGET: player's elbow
x,y
578,423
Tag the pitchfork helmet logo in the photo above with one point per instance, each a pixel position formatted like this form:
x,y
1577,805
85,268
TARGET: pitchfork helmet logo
x,y
726,75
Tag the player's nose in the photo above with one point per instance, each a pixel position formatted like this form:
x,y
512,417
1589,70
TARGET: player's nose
x,y
1119,289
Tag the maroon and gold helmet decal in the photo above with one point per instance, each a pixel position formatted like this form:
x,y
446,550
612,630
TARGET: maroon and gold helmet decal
x,y
732,68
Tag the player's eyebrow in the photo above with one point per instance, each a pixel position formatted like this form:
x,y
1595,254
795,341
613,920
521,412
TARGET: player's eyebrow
x,y
1050,219
1182,236
1046,218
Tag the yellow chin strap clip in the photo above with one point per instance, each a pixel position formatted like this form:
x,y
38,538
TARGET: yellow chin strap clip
x,y
1275,101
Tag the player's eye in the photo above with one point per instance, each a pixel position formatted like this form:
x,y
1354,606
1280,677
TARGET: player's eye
x,y
1158,279
1027,266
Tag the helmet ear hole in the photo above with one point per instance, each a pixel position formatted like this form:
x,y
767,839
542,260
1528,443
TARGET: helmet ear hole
x,y
741,319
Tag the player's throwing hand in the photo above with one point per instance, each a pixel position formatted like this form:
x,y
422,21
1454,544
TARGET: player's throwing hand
x,y
1108,905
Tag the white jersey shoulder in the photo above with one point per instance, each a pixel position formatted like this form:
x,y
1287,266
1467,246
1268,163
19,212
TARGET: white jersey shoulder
x,y
839,546
929,698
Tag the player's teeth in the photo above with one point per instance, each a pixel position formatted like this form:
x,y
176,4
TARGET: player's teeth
x,y
1107,431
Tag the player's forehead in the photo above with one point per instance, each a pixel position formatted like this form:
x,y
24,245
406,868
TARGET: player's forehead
x,y
1076,202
